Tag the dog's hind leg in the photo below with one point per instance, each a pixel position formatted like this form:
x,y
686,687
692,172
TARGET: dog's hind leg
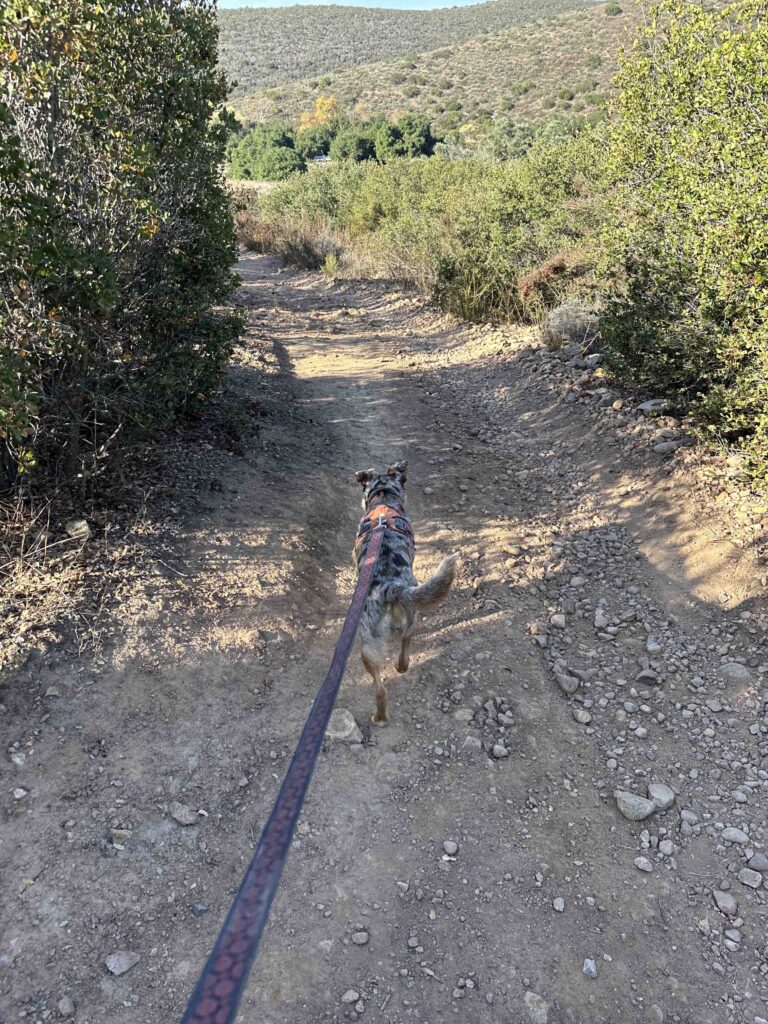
x,y
405,654
374,669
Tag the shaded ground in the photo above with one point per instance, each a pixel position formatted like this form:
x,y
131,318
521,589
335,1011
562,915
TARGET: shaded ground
x,y
586,556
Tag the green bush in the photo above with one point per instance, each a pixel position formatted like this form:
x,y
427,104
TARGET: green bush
x,y
116,239
266,153
471,232
689,238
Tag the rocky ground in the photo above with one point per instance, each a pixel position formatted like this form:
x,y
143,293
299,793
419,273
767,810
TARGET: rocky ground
x,y
566,820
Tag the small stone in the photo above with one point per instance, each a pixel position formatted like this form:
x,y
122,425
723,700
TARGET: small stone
x,y
472,743
582,716
451,847
567,683
343,727
78,529
19,793
735,835
499,750
654,407
66,1007
751,878
558,620
601,619
589,968
632,806
758,862
53,691
663,796
183,814
643,864
360,938
734,672
559,904
350,996
122,961
726,903
536,1008
199,909
666,847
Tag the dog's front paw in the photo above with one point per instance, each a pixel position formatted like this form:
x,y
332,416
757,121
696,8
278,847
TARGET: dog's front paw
x,y
382,723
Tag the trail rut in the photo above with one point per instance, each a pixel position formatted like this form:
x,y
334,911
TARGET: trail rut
x,y
585,557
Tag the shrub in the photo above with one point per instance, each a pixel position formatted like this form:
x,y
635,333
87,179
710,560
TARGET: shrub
x,y
689,238
266,153
116,239
465,230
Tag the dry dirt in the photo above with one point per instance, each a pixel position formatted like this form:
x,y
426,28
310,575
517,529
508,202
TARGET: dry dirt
x,y
589,558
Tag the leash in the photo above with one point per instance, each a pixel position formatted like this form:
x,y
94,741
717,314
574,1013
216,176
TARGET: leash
x,y
217,994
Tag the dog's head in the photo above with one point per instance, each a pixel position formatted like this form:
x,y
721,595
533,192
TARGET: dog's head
x,y
383,486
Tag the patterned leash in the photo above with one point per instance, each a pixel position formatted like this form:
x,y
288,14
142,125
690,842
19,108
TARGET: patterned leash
x,y
217,995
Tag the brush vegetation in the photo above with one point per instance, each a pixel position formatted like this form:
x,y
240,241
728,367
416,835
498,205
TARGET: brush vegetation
x,y
564,66
268,47
656,220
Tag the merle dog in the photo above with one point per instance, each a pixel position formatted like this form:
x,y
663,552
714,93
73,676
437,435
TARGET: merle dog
x,y
395,597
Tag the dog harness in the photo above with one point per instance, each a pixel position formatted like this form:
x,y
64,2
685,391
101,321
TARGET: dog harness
x,y
383,515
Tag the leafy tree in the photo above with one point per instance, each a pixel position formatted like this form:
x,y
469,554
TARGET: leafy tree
x,y
411,136
315,141
325,110
355,142
266,153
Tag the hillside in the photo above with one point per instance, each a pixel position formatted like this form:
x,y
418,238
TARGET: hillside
x,y
268,47
557,65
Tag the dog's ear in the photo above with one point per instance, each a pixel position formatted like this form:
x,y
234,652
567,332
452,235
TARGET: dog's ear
x,y
398,469
364,475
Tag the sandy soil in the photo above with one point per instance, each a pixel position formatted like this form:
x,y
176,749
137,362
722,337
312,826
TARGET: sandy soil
x,y
592,564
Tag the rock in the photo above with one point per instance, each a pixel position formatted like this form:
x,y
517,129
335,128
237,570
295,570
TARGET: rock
x,y
19,793
663,796
360,938
643,864
726,903
122,961
589,968
654,407
451,847
78,529
633,806
582,716
758,862
66,1007
350,996
567,683
499,750
666,847
734,672
536,1008
343,727
559,904
199,909
183,814
558,620
601,619
472,743
734,835
750,878
668,447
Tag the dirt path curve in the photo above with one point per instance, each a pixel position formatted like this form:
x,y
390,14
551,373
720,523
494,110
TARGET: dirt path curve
x,y
604,635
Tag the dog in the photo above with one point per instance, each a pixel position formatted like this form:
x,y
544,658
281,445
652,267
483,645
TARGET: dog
x,y
395,598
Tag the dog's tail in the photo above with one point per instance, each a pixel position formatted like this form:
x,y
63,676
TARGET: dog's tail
x,y
429,594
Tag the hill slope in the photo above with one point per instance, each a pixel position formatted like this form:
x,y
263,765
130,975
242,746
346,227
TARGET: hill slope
x,y
557,65
267,47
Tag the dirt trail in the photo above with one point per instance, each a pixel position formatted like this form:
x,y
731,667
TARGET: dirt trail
x,y
590,564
